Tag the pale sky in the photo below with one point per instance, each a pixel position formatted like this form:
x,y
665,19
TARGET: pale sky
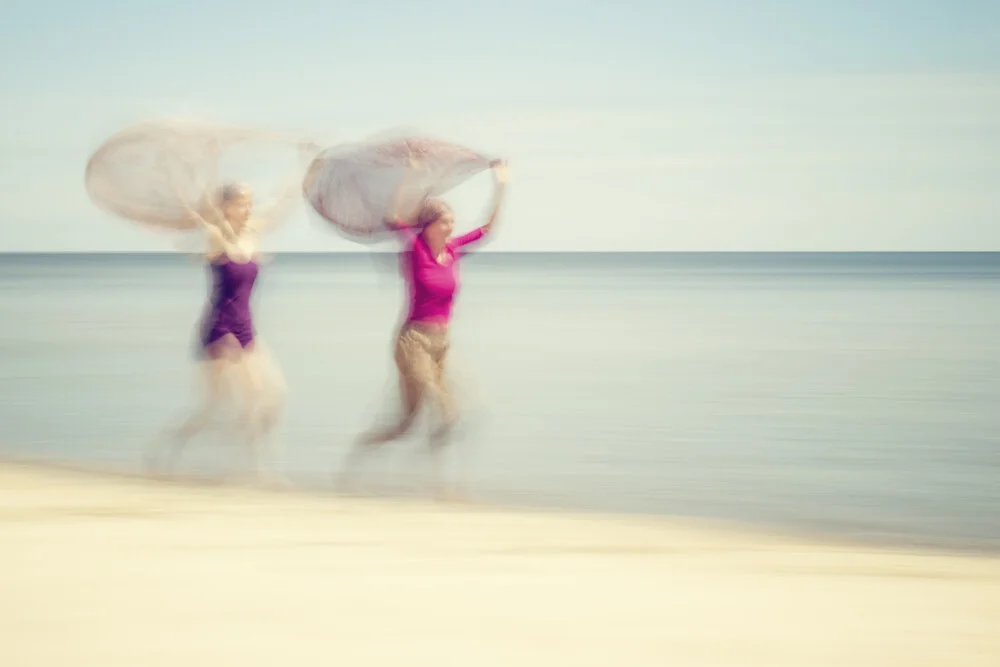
x,y
716,125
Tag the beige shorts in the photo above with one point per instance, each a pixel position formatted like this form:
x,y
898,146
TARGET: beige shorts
x,y
421,355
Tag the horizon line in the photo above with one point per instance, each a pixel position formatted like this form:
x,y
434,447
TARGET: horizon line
x,y
528,252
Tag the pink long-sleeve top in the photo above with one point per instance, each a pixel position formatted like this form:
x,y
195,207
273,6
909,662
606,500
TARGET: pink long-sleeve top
x,y
433,284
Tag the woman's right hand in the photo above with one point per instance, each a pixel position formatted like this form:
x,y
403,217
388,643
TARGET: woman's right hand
x,y
500,171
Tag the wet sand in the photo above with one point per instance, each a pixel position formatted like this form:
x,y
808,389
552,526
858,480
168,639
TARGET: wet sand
x,y
110,571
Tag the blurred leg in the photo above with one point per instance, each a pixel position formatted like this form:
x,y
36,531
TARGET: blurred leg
x,y
265,391
447,413
414,365
217,391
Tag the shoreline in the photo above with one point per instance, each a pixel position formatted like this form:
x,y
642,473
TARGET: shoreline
x,y
813,534
113,570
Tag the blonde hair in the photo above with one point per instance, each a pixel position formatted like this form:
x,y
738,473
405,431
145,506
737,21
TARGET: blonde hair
x,y
431,211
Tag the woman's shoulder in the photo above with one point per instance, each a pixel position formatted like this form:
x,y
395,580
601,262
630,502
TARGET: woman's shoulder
x,y
237,253
255,225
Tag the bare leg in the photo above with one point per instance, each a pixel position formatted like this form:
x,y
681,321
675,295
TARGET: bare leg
x,y
413,363
447,407
266,397
272,417
216,393
440,437
412,396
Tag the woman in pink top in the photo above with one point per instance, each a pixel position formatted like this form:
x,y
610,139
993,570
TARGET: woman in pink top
x,y
430,267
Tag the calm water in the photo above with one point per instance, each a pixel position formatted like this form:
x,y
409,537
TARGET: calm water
x,y
845,393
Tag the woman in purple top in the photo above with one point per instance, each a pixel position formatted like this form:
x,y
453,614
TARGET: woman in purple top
x,y
234,358
430,264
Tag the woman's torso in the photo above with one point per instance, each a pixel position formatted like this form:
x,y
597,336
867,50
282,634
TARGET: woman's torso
x,y
232,287
433,283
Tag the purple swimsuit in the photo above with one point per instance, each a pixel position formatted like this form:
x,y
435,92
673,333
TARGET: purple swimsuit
x,y
229,307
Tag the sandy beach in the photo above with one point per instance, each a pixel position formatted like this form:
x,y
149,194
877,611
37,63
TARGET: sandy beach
x,y
107,571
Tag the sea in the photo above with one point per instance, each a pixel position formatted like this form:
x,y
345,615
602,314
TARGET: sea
x,y
854,394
